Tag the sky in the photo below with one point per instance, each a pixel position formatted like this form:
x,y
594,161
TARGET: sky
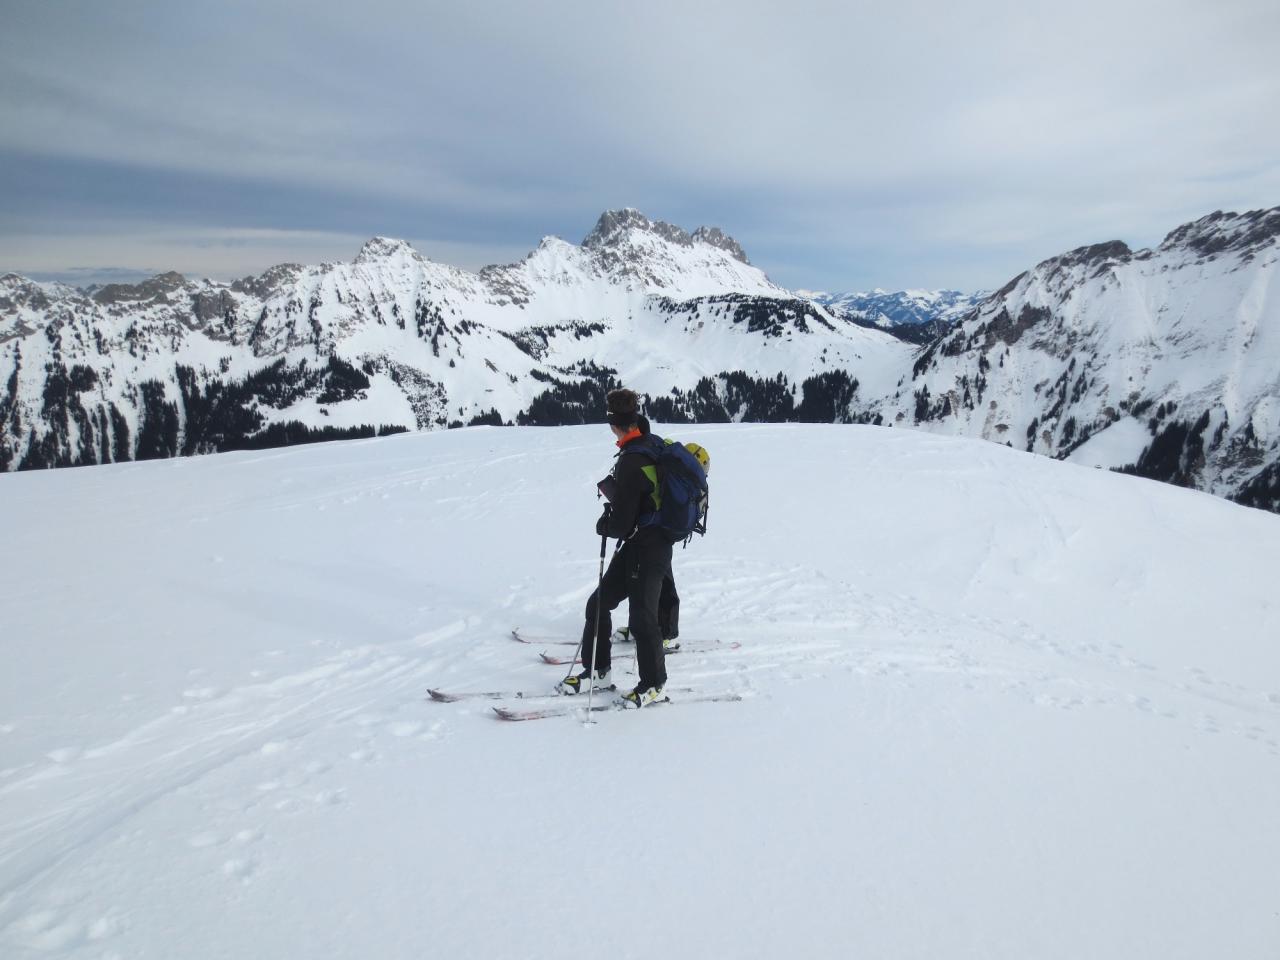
x,y
846,145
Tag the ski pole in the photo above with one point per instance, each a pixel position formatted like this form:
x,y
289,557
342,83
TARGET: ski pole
x,y
578,654
595,630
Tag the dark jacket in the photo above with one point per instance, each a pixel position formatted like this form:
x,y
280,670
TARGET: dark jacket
x,y
631,491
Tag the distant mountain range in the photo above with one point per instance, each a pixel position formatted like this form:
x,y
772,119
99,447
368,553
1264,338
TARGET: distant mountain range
x,y
1160,361
915,315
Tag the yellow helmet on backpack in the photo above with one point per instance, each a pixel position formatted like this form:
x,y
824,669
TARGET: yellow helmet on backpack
x,y
700,454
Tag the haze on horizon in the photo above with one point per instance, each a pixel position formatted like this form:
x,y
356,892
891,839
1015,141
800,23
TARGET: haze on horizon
x,y
845,146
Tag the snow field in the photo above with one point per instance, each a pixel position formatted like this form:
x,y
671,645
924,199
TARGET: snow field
x,y
995,706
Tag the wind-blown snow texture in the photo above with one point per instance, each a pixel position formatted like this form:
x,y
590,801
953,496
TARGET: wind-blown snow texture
x,y
1165,362
995,706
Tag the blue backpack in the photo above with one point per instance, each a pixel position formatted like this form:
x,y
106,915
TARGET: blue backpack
x,y
680,489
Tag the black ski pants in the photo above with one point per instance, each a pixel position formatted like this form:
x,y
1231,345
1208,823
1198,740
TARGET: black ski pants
x,y
669,609
635,574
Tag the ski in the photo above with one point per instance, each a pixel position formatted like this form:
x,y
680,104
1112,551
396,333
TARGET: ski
x,y
694,647
566,661
542,713
441,696
506,713
519,637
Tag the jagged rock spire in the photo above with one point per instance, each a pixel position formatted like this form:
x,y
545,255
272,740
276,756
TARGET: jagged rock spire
x,y
613,226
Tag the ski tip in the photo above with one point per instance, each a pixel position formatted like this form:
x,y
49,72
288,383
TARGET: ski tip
x,y
439,696
504,713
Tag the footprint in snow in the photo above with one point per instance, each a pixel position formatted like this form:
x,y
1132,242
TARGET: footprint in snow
x,y
209,839
50,930
240,870
404,728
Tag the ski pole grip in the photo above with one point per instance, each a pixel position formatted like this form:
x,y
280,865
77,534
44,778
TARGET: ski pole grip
x,y
604,538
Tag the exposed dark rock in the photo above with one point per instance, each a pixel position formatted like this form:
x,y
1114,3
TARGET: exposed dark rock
x,y
270,283
1227,233
613,225
159,289
717,238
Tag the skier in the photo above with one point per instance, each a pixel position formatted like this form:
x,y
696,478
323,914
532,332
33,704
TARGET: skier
x,y
669,601
638,567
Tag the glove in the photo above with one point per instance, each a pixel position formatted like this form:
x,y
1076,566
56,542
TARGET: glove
x,y
602,525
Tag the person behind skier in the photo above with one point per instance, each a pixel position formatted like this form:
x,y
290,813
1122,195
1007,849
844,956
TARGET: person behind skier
x,y
668,618
638,567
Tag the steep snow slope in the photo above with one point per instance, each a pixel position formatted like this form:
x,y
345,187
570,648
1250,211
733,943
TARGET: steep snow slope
x,y
1167,358
995,706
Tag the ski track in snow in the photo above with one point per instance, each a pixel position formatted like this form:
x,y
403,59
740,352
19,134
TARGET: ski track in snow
x,y
247,760
88,794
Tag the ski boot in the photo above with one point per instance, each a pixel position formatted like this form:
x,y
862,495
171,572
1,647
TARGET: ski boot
x,y
581,682
642,697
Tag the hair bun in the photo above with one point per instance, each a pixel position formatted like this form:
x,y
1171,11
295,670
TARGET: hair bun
x,y
623,402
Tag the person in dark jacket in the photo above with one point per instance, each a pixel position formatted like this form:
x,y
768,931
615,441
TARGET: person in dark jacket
x,y
638,567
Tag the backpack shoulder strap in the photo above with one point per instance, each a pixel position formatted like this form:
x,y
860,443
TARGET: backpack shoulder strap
x,y
650,446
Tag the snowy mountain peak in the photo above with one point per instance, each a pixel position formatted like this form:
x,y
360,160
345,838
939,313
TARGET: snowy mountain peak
x,y
617,228
17,292
614,226
271,282
155,290
1089,260
715,237
383,248
1218,233
632,251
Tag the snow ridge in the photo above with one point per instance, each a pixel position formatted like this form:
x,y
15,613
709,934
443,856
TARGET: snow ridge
x,y
1164,361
